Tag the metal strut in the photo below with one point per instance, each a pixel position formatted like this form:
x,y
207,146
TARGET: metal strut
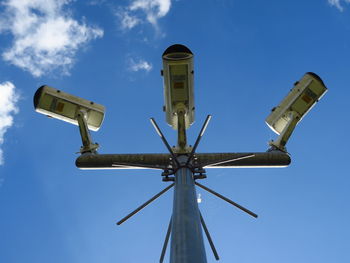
x,y
144,205
211,243
166,241
161,135
227,200
201,133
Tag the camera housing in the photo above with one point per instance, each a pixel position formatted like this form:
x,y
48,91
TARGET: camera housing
x,y
66,107
178,84
300,100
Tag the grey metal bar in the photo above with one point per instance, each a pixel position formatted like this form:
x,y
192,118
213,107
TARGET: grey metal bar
x,y
274,158
211,243
186,235
227,200
113,161
159,161
165,241
144,204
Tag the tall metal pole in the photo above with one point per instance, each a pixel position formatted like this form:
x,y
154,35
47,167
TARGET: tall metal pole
x,y
186,236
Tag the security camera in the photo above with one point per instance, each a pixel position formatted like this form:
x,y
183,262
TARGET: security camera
x,y
66,107
299,101
178,84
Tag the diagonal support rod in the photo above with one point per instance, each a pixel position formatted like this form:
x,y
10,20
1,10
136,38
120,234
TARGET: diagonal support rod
x,y
139,166
227,200
144,205
230,160
211,243
200,135
166,241
161,135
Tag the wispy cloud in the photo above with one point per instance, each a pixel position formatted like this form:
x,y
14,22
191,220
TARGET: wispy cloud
x,y
337,4
141,11
8,101
128,21
45,37
139,65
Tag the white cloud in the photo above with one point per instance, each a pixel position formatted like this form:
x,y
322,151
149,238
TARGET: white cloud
x,y
128,21
45,37
139,65
8,100
151,11
337,4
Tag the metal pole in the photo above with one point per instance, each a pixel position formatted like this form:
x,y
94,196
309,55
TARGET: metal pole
x,y
186,235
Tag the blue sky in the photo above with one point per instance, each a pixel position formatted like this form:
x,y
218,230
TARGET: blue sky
x,y
248,54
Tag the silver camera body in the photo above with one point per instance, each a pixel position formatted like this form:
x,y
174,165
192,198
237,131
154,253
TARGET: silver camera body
x,y
178,84
300,100
66,107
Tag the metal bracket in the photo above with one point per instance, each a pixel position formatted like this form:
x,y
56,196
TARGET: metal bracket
x,y
282,139
199,172
88,145
166,175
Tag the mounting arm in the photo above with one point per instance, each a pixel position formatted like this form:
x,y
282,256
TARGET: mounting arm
x,y
284,136
88,145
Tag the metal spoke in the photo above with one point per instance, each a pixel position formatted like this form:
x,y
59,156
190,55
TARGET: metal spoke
x,y
144,205
227,200
166,241
161,135
211,243
204,127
